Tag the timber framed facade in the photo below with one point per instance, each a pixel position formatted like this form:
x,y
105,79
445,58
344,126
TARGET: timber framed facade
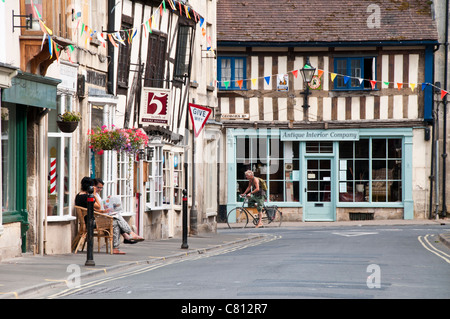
x,y
165,66
361,149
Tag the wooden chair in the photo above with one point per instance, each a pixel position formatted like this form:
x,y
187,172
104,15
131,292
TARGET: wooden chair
x,y
103,229
80,238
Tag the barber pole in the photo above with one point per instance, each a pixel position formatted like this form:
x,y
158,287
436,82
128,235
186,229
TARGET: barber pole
x,y
53,176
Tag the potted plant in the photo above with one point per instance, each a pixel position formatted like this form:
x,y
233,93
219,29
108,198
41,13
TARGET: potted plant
x,y
68,121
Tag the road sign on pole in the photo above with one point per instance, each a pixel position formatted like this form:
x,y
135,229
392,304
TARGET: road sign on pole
x,y
199,116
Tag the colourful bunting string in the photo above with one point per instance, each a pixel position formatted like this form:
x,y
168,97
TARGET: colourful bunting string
x,y
114,37
333,77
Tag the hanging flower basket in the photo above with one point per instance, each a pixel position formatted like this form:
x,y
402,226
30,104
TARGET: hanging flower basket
x,y
120,140
67,127
68,121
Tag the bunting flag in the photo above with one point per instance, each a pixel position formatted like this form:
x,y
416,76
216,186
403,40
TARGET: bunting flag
x,y
50,46
112,41
44,28
333,76
56,50
346,78
171,5
121,36
100,37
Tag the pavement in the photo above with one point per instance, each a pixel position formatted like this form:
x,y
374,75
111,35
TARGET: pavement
x,y
23,277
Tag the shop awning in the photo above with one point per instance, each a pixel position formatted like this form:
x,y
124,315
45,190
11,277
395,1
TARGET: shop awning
x,y
32,90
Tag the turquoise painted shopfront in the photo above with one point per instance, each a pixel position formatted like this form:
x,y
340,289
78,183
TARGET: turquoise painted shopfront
x,y
322,170
27,91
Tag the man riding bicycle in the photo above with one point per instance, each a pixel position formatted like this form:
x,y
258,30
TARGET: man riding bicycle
x,y
257,195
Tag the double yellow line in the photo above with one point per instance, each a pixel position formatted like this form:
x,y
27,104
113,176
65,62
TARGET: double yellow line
x,y
428,246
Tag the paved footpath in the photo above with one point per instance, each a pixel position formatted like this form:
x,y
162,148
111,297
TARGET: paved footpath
x,y
23,276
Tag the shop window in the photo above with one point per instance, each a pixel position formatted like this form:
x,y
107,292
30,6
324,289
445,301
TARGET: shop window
x,y
166,178
125,180
154,184
173,178
8,158
354,73
370,170
59,161
230,70
274,161
101,164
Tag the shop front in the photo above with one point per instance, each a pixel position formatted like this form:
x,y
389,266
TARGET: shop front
x,y
326,175
24,158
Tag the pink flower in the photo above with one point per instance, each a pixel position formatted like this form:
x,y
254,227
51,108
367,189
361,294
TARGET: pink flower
x,y
100,152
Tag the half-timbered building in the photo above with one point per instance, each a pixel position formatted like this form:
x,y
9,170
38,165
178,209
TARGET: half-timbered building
x,y
165,66
355,143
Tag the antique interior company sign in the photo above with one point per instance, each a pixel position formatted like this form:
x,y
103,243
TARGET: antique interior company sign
x,y
154,106
319,135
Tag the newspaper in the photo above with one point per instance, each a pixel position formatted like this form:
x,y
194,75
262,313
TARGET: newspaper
x,y
114,204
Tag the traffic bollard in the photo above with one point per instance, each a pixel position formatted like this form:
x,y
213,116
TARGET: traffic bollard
x,y
90,228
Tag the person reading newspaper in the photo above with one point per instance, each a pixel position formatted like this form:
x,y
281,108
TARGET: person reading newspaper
x,y
113,207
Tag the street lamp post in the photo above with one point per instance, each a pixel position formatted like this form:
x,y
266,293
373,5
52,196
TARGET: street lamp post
x,y
307,73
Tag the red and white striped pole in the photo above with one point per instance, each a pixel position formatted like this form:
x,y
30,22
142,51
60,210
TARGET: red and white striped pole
x,y
52,176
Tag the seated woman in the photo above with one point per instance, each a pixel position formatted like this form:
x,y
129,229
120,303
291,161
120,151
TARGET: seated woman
x,y
120,226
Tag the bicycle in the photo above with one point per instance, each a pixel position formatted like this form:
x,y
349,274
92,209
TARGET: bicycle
x,y
240,215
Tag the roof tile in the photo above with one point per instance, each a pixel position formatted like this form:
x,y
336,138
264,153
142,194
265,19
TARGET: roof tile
x,y
285,21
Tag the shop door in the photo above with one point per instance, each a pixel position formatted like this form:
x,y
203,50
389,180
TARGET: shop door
x,y
319,203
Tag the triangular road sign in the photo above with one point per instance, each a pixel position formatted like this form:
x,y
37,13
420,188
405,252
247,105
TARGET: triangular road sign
x,y
199,116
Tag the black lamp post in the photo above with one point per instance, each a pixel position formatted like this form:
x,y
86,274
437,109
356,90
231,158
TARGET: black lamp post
x,y
307,74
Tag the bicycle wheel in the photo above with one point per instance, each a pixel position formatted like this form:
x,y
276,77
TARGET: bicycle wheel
x,y
238,217
278,217
275,216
